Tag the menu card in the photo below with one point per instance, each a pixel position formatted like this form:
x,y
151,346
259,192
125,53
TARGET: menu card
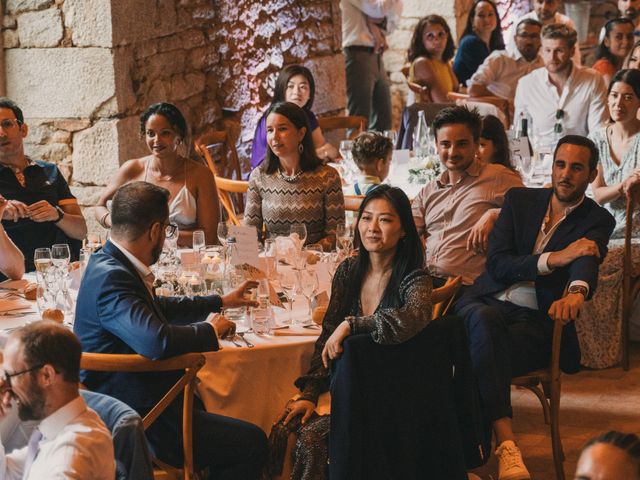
x,y
520,146
246,244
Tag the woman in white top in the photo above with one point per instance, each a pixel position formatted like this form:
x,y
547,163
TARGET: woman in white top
x,y
599,326
194,198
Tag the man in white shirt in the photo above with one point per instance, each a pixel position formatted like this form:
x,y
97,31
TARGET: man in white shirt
x,y
499,73
365,23
41,372
546,12
561,98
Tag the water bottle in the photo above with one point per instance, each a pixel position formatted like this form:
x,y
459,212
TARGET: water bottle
x,y
261,315
421,138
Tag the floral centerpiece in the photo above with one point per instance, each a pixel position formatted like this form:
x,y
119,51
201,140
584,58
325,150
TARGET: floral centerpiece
x,y
425,171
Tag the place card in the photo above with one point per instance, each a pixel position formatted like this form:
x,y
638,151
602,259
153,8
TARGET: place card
x,y
400,157
246,244
520,146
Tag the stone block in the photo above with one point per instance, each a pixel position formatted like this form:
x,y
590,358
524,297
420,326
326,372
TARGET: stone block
x,y
93,227
60,82
51,152
39,133
90,22
185,86
331,85
40,29
72,124
86,195
394,60
133,21
10,39
99,151
400,39
17,6
61,136
9,21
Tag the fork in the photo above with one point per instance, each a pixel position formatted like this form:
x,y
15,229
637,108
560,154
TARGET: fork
x,y
232,340
247,342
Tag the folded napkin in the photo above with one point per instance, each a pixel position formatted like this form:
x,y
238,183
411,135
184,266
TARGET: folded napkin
x,y
14,285
9,304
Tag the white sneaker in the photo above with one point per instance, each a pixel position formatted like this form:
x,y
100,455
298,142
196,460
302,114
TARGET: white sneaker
x,y
510,464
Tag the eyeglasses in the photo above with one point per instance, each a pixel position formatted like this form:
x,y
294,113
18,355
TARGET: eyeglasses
x,y
532,36
8,376
170,230
9,123
557,128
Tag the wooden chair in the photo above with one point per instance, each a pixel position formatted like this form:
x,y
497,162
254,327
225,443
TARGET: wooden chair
x,y
630,275
226,164
545,384
226,188
355,124
190,363
422,94
442,297
503,105
352,202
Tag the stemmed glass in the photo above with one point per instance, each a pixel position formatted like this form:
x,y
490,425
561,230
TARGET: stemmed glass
x,y
298,232
347,157
42,260
289,284
60,255
344,234
333,260
270,252
308,286
312,255
198,241
223,233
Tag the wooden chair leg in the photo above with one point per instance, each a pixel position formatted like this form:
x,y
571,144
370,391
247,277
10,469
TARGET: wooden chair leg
x,y
556,441
543,401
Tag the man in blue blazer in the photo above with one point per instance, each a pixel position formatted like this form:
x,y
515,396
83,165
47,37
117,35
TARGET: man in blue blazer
x,y
542,264
118,312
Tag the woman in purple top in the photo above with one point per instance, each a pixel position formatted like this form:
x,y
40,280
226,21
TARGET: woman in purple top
x,y
294,84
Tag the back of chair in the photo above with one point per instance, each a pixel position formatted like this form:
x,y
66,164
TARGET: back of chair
x,y
442,297
502,104
225,188
355,124
352,202
189,362
226,164
629,280
410,119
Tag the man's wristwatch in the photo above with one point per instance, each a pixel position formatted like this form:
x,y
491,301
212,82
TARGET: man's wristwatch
x,y
578,289
60,214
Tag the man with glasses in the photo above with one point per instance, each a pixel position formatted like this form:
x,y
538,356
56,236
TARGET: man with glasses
x,y
118,312
499,73
41,210
41,364
561,98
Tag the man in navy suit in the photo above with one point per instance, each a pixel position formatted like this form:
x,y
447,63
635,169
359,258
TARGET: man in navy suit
x,y
542,264
118,312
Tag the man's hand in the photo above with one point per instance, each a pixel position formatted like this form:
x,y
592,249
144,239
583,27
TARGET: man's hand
x,y
298,407
567,308
631,181
583,247
223,327
15,210
43,211
240,296
479,235
333,348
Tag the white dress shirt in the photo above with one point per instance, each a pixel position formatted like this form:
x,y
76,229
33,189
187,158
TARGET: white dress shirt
x,y
583,100
75,445
143,270
510,37
354,19
501,71
524,293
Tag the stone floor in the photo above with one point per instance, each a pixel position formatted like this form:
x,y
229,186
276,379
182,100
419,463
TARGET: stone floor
x,y
592,402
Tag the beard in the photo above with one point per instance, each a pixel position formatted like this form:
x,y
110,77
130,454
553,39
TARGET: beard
x,y
32,409
157,251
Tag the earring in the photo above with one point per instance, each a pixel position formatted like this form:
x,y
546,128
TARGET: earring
x,y
300,148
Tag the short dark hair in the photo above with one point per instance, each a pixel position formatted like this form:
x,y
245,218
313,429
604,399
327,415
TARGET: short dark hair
x,y
458,115
560,31
50,343
605,52
628,442
496,42
493,129
529,21
136,206
417,48
309,161
280,89
369,147
168,111
581,141
13,106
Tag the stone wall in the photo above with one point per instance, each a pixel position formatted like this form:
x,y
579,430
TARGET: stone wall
x,y
83,71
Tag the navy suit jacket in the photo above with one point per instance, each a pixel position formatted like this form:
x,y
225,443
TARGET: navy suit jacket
x,y
510,259
115,313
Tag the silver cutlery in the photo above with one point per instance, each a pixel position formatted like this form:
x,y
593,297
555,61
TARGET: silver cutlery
x,y
232,340
247,342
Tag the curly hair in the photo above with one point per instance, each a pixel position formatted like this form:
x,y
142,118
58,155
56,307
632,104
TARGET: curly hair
x,y
560,31
369,147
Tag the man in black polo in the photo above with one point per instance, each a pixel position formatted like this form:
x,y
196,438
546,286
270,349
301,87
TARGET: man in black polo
x,y
40,208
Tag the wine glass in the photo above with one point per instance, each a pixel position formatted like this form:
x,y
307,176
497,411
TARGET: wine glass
x,y
298,233
391,135
312,255
42,260
308,287
344,234
223,233
198,241
288,283
270,252
60,255
345,149
333,260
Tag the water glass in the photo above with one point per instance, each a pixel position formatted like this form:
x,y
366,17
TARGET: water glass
x,y
42,261
61,255
312,255
213,264
288,281
344,234
198,240
261,315
391,135
308,287
298,233
223,233
269,252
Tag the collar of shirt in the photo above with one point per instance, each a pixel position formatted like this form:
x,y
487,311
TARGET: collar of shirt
x,y
363,179
569,81
54,423
144,271
472,170
567,211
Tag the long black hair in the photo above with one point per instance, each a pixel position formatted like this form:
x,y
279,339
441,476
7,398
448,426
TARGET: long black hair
x,y
168,111
417,48
496,42
309,161
628,442
493,129
409,252
605,52
287,73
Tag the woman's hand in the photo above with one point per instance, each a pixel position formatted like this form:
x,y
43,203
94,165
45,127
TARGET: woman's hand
x,y
333,347
630,181
239,298
298,407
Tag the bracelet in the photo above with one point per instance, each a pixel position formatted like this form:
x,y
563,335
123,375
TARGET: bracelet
x,y
102,219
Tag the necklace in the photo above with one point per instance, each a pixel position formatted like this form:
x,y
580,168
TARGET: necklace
x,y
289,178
